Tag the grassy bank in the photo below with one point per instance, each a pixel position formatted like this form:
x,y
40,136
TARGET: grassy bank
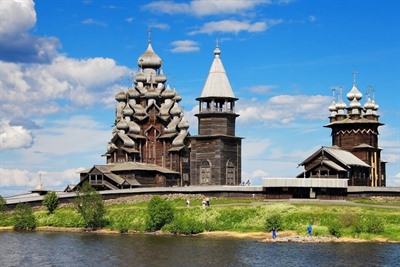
x,y
241,216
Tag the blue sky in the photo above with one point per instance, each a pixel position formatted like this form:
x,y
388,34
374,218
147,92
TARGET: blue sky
x,y
62,62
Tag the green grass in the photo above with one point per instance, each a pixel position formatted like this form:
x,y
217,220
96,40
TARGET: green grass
x,y
241,215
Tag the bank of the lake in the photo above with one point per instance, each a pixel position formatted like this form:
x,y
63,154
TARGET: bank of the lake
x,y
241,218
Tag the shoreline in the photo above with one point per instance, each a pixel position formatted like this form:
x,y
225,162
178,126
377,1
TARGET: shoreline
x,y
263,237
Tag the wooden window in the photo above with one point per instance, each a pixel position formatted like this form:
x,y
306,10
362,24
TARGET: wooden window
x,y
205,172
230,173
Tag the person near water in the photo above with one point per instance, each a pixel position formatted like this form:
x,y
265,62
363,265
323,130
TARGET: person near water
x,y
273,233
309,229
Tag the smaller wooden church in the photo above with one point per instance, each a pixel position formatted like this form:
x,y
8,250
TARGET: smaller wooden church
x,y
355,154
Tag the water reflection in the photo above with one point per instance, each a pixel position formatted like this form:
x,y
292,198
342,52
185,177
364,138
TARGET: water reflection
x,y
78,249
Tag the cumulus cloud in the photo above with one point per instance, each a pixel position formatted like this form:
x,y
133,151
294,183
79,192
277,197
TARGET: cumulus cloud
x,y
13,137
39,87
204,8
16,43
184,46
284,109
28,179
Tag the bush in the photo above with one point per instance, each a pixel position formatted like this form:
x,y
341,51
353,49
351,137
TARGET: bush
x,y
273,221
184,225
369,224
159,213
375,225
24,218
50,201
335,228
2,205
89,204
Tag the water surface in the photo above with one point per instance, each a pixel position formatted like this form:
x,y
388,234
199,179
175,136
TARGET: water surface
x,y
89,249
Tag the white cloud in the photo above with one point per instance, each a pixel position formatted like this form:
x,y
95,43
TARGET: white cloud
x,y
161,26
231,26
27,179
284,109
38,87
204,7
94,22
75,135
254,147
16,17
393,181
261,89
16,43
184,46
13,137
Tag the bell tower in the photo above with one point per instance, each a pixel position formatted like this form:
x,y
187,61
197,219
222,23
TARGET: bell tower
x,y
216,152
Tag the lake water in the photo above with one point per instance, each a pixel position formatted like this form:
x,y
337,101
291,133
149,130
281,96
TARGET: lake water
x,y
88,249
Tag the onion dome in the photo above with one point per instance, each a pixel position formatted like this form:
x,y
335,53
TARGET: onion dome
x,y
332,107
177,97
355,103
168,93
151,94
149,59
140,77
183,124
122,125
354,93
120,96
376,106
175,110
160,78
133,93
127,111
134,128
340,104
369,104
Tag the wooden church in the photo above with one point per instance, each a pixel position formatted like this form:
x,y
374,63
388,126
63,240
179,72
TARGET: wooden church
x,y
151,145
355,154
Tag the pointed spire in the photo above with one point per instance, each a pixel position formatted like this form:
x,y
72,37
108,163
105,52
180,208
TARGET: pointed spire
x,y
217,83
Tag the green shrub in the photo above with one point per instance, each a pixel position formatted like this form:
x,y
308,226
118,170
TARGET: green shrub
x,y
24,218
50,201
273,221
368,223
159,213
335,228
374,225
185,225
90,205
348,218
2,205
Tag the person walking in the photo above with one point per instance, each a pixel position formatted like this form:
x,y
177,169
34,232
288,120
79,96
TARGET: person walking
x,y
273,233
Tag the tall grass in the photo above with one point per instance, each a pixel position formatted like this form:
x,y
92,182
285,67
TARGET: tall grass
x,y
344,221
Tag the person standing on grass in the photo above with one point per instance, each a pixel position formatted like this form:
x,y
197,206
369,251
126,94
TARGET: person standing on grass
x,y
309,230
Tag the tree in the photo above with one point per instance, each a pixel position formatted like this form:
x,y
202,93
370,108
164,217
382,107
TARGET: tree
x,y
24,218
50,201
89,203
2,205
159,213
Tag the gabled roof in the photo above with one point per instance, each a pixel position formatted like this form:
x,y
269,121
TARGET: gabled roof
x,y
333,165
343,156
217,83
